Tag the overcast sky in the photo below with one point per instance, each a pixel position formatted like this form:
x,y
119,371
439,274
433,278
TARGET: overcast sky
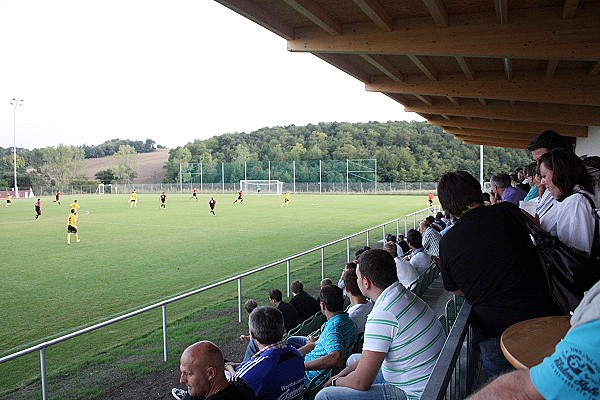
x,y
172,71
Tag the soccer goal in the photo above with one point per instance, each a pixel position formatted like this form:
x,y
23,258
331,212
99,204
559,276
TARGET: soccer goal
x,y
265,186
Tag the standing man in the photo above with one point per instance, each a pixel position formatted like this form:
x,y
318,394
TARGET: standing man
x,y
194,194
163,199
38,208
72,226
212,203
74,206
403,339
430,199
57,197
133,200
8,199
286,199
488,258
203,372
240,194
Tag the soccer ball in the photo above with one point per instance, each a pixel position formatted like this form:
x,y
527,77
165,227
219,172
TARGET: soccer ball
x,y
313,204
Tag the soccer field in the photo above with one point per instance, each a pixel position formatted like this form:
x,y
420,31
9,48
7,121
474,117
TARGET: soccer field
x,y
128,258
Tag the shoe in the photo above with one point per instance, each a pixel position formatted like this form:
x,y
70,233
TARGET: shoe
x,y
178,393
78,240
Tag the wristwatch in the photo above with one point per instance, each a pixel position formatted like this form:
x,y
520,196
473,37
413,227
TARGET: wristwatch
x,y
333,381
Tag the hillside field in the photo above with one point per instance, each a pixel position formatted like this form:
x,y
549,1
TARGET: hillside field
x,y
130,258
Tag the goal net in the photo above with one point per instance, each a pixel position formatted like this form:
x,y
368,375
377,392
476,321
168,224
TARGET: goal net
x,y
266,186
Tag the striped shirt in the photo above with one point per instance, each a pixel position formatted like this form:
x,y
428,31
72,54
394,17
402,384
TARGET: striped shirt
x,y
405,328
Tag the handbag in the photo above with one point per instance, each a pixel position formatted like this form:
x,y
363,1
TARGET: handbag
x,y
569,274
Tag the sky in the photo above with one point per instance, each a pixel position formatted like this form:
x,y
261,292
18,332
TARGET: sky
x,y
171,71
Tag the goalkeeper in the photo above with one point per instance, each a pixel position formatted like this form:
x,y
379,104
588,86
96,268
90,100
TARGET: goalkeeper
x,y
286,199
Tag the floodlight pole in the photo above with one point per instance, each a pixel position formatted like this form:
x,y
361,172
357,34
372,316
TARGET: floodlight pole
x,y
15,104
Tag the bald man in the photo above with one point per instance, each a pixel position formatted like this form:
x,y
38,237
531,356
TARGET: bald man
x,y
203,372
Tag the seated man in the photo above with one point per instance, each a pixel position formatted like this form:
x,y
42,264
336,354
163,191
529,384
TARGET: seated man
x,y
337,337
277,370
202,371
304,303
290,315
360,307
571,372
405,271
419,258
403,339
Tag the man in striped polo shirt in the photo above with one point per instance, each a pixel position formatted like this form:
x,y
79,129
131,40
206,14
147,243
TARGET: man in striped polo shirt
x,y
403,339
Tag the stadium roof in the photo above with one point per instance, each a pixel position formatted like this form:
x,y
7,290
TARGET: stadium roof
x,y
491,72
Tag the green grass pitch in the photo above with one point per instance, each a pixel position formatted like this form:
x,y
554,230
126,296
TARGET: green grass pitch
x,y
129,258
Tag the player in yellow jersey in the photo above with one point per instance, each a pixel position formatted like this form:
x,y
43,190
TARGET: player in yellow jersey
x,y
286,199
74,206
8,200
72,226
133,200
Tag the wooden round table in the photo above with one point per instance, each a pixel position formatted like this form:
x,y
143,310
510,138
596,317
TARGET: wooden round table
x,y
526,343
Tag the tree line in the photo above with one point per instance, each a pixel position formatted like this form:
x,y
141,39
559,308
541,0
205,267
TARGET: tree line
x,y
406,151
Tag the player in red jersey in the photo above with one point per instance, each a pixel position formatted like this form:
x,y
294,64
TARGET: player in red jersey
x,y
240,194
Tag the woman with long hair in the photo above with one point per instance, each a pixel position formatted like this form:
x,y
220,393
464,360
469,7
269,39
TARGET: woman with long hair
x,y
571,217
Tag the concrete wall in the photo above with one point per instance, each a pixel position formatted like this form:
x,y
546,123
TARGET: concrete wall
x,y
590,145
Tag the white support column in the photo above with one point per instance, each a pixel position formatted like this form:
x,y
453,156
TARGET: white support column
x,y
481,166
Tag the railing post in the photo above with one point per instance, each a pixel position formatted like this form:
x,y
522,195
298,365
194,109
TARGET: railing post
x,y
397,228
322,263
367,238
239,282
347,250
383,233
164,324
43,373
288,277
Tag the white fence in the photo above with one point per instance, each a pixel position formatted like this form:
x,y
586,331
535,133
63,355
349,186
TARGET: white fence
x,y
41,348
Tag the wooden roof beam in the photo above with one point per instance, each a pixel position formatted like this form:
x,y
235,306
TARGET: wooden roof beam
x,y
492,143
437,11
569,9
537,33
508,69
453,100
343,64
501,11
317,15
551,68
424,99
533,128
256,14
526,86
425,66
466,67
489,135
384,66
533,112
594,68
376,13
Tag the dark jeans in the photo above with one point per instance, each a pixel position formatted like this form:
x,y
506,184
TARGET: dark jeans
x,y
494,362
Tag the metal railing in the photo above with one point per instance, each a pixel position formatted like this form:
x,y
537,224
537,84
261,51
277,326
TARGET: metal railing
x,y
457,371
41,348
421,216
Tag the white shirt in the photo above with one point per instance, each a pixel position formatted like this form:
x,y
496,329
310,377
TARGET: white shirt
x,y
420,261
406,272
359,313
572,221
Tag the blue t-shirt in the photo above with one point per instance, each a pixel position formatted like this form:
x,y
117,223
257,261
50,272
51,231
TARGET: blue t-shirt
x,y
274,374
338,334
573,370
